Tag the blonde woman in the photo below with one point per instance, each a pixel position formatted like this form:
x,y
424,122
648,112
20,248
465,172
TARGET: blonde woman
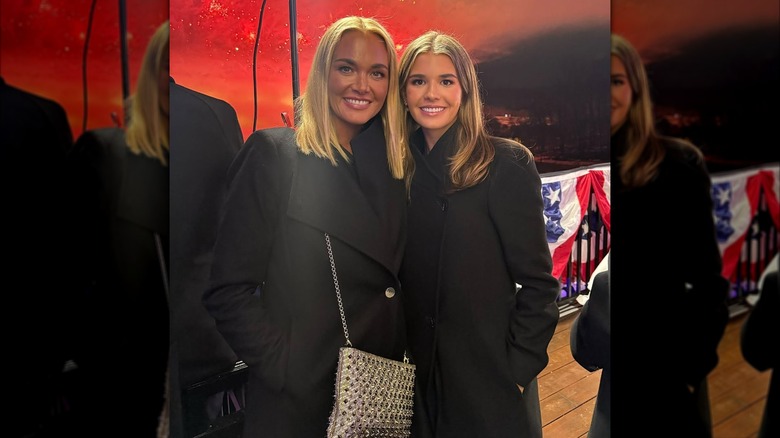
x,y
341,172
122,206
476,229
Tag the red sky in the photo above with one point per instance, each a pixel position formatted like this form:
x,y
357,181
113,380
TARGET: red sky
x,y
212,42
42,43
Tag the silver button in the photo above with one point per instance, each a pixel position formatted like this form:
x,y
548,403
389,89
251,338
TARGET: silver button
x,y
389,292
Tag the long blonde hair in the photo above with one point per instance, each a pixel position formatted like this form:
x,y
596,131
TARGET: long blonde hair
x,y
471,162
315,132
147,128
644,150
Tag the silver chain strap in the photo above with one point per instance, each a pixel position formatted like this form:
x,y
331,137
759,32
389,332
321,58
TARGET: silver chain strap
x,y
338,289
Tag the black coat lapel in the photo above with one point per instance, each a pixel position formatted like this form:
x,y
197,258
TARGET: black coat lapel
x,y
333,200
432,170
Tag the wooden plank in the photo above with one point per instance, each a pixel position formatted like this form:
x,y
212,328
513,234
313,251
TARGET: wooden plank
x,y
565,322
740,397
559,340
570,397
745,424
558,359
561,378
723,382
575,423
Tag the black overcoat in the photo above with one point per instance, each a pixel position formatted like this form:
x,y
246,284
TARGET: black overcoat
x,y
271,289
471,335
671,296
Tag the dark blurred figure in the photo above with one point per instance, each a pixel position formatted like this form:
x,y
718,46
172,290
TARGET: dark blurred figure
x,y
759,345
205,136
122,200
35,138
665,262
590,346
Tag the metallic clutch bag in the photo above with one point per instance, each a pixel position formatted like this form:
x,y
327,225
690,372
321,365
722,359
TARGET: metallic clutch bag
x,y
374,395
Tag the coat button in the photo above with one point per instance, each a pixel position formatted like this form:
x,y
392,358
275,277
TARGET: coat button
x,y
389,292
431,321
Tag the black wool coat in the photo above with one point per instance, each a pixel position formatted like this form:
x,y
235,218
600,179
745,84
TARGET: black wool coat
x,y
666,273
271,290
472,336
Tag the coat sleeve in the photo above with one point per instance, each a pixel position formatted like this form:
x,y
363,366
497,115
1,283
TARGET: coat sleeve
x,y
516,208
589,337
241,255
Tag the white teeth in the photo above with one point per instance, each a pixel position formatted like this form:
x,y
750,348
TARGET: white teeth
x,y
432,110
357,102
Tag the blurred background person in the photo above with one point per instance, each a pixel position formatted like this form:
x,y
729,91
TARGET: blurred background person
x,y
122,203
590,345
758,344
678,342
205,137
35,138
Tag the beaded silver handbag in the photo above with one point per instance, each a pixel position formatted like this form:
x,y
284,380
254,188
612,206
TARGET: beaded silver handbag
x,y
373,395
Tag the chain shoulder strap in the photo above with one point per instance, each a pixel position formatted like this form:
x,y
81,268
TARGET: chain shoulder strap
x,y
338,295
338,289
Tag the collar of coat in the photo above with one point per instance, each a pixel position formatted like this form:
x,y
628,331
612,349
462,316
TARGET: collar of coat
x,y
353,202
432,169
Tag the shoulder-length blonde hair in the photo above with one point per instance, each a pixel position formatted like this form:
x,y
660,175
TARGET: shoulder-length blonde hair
x,y
315,132
475,152
644,150
147,127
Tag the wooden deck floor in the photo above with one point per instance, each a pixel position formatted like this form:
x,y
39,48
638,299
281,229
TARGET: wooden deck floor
x,y
568,391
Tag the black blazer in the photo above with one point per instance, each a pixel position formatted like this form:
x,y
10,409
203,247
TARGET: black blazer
x,y
471,335
271,290
758,343
590,346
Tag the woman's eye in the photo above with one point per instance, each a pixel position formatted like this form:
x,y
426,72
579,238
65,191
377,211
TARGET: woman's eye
x,y
345,69
416,82
447,82
378,74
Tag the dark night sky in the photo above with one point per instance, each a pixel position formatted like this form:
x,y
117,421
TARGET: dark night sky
x,y
718,61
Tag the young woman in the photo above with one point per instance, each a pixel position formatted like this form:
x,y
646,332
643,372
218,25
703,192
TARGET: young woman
x,y
476,231
678,340
341,172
